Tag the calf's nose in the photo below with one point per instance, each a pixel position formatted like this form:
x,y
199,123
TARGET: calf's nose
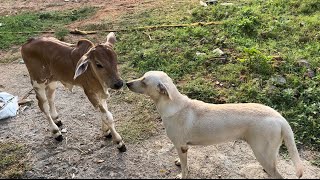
x,y
118,85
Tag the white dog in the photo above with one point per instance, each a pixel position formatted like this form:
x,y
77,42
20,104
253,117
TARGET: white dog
x,y
193,122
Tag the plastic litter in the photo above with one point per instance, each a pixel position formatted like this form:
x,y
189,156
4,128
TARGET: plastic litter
x,y
8,105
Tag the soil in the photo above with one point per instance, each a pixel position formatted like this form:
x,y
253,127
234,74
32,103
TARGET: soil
x,y
84,153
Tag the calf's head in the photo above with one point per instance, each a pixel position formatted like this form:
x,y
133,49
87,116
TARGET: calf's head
x,y
103,61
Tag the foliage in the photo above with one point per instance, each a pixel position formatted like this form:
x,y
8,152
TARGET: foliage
x,y
28,22
12,160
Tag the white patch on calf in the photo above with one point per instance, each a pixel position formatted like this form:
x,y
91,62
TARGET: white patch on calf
x,y
52,86
107,118
41,92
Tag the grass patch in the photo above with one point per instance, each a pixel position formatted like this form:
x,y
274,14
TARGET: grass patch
x,y
12,160
316,161
143,121
44,21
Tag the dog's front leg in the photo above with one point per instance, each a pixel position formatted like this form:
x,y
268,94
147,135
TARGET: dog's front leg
x,y
182,153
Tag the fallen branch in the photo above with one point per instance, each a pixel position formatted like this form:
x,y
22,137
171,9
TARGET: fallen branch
x,y
76,31
80,32
23,100
27,94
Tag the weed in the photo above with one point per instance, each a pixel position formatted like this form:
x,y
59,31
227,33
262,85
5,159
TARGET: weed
x,y
12,160
17,29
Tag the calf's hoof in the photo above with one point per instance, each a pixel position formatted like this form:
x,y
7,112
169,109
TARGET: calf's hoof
x,y
59,138
108,135
122,148
59,123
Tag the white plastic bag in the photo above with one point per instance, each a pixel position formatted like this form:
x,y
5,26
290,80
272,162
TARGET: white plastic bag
x,y
8,105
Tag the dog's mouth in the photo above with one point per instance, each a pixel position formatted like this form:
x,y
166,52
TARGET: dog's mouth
x,y
132,88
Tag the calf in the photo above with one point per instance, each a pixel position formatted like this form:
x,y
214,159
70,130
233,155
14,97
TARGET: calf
x,y
92,67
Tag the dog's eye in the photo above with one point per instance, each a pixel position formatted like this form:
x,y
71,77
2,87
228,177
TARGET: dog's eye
x,y
99,65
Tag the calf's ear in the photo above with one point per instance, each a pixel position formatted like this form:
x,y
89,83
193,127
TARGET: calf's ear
x,y
111,39
82,64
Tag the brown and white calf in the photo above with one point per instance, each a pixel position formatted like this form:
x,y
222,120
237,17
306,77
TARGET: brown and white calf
x,y
92,67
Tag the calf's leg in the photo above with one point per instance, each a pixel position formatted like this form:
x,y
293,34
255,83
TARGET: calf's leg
x,y
50,92
41,96
107,120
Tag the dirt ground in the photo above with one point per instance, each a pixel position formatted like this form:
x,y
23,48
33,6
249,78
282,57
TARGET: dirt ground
x,y
85,154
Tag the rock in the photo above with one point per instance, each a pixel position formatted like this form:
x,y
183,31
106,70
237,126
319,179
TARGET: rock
x,y
304,62
280,80
200,54
100,161
310,73
203,3
218,52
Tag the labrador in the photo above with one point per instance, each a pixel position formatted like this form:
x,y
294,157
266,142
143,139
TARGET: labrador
x,y
193,122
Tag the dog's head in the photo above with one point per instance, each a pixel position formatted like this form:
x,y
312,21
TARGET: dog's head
x,y
155,84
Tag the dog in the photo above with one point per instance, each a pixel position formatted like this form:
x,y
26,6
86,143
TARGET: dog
x,y
193,122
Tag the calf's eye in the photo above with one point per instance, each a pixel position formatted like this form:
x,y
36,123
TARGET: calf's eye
x,y
99,65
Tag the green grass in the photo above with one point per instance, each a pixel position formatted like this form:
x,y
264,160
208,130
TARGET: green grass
x,y
12,160
43,21
142,123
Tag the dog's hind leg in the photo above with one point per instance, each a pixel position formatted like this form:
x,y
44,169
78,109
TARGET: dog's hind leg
x,y
266,153
182,153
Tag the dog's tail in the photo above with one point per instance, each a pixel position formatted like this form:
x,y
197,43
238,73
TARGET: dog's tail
x,y
288,137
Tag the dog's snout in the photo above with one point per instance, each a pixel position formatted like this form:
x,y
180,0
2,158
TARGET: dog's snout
x,y
118,85
129,84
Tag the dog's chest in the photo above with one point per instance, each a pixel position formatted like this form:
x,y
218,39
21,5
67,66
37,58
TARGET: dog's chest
x,y
177,126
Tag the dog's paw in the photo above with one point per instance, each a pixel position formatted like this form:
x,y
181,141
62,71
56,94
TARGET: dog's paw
x,y
177,162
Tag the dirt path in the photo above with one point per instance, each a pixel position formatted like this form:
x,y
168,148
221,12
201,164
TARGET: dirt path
x,y
84,153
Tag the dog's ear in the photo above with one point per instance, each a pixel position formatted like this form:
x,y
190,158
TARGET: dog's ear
x,y
163,89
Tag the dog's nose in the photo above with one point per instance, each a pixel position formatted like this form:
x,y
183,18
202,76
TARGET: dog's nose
x,y
118,85
128,84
